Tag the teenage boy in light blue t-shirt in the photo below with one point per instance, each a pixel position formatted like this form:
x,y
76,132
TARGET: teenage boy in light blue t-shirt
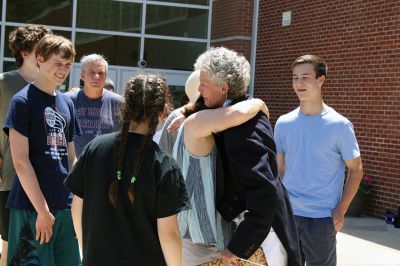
x,y
314,144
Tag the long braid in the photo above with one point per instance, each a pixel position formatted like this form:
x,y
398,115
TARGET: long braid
x,y
145,99
122,138
154,99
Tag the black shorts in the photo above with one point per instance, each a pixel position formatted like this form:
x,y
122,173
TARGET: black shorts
x,y
4,215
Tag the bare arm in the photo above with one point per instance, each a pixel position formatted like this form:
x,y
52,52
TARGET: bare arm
x,y
20,154
206,122
200,126
71,155
76,211
170,239
280,158
1,168
354,176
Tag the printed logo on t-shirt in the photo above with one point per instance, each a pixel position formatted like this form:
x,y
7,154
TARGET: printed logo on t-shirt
x,y
91,119
55,134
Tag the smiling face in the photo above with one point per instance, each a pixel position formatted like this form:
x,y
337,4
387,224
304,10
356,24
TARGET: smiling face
x,y
56,69
305,83
94,76
214,95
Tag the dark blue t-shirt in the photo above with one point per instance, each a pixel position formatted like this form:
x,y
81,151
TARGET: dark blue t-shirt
x,y
95,116
49,123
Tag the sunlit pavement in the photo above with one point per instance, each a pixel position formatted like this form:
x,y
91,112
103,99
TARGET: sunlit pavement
x,y
368,241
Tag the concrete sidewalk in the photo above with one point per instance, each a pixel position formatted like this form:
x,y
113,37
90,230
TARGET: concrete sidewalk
x,y
368,241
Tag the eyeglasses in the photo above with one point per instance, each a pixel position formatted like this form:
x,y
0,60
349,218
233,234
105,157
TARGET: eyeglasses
x,y
93,74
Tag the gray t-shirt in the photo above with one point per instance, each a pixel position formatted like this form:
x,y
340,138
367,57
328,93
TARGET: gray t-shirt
x,y
95,116
10,83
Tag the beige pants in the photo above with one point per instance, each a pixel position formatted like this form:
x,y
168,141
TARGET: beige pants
x,y
195,254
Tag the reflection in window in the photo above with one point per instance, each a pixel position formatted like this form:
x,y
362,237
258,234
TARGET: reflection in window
x,y
118,50
47,12
167,54
192,2
9,66
176,21
109,15
7,51
178,95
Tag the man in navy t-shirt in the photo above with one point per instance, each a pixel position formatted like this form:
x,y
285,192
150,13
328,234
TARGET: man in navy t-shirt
x,y
97,109
41,125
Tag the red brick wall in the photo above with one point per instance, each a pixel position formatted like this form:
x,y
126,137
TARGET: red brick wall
x,y
232,20
360,40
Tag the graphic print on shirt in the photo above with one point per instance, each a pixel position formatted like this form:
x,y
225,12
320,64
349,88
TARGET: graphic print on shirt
x,y
94,119
55,134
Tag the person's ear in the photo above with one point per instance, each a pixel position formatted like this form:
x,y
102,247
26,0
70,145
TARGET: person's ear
x,y
321,80
24,54
39,59
225,88
82,73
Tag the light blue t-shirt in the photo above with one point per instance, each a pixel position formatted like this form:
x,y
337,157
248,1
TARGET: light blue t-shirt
x,y
315,149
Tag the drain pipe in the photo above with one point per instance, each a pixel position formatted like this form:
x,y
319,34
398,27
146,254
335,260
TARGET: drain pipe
x,y
254,46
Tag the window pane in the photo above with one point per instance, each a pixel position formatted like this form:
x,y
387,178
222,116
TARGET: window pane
x,y
193,2
168,54
109,15
178,95
176,21
7,51
8,66
47,12
118,50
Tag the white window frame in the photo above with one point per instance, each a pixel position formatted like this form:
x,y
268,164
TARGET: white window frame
x,y
174,77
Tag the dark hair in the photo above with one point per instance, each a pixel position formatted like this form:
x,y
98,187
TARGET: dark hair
x,y
24,39
192,108
55,44
145,98
109,84
320,67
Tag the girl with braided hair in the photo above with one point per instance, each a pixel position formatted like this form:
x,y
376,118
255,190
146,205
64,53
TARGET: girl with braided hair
x,y
128,192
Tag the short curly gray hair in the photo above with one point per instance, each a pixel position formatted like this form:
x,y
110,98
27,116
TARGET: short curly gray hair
x,y
225,65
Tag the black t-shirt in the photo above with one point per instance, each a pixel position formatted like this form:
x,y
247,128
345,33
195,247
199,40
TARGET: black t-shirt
x,y
125,235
